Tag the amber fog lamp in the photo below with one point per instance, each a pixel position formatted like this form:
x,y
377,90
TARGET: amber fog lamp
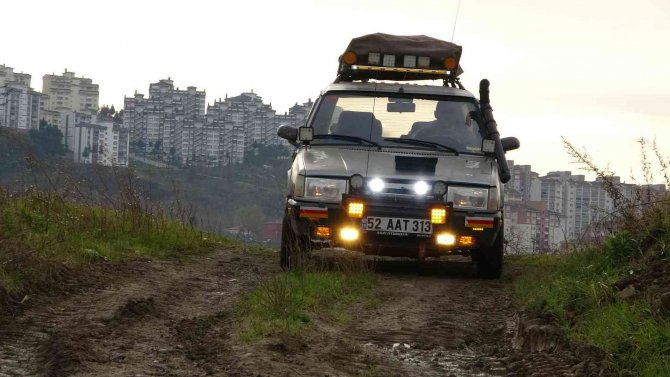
x,y
349,234
445,239
450,63
322,232
349,57
355,209
466,241
438,215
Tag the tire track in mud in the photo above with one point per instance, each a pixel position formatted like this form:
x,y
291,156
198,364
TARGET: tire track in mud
x,y
435,319
167,318
174,318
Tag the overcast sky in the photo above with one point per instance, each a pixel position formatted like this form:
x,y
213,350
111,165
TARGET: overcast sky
x,y
592,71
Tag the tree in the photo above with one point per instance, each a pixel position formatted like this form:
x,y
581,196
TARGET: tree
x,y
47,140
251,218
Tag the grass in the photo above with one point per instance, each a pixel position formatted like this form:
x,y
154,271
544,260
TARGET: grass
x,y
577,290
42,234
290,302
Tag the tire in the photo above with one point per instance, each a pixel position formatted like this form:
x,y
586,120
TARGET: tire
x,y
293,248
490,260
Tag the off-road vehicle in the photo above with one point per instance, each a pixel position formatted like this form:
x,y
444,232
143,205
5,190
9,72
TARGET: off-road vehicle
x,y
390,167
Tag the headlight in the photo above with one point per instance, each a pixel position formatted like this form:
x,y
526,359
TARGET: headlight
x,y
468,197
330,190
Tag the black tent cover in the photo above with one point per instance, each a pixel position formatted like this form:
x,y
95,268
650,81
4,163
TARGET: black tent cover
x,y
419,45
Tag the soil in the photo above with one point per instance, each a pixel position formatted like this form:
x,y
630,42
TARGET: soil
x,y
177,318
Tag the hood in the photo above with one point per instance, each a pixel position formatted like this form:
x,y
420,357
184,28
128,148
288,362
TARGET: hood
x,y
338,161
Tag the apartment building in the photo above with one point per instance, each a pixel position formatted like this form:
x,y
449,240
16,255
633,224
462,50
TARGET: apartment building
x,y
531,228
67,123
67,92
101,142
19,103
166,123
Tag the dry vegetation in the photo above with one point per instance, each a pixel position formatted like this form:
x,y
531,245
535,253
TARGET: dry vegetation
x,y
614,295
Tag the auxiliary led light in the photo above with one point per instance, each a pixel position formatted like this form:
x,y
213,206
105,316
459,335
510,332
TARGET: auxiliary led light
x,y
355,209
374,58
445,239
349,234
389,61
439,188
438,215
409,61
376,185
356,181
421,188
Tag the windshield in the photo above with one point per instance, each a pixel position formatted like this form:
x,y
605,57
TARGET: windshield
x,y
398,122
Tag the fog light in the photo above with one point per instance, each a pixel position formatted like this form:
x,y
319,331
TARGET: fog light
x,y
466,241
438,215
322,231
349,234
445,239
355,209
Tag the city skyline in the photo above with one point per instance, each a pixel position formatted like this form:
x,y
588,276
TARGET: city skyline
x,y
590,72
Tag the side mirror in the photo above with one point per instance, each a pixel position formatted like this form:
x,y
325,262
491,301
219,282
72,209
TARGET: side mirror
x,y
289,133
510,143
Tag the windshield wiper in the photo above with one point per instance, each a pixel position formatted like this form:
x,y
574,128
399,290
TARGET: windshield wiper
x,y
346,137
422,142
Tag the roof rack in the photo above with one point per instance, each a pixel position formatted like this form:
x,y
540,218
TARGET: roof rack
x,y
400,58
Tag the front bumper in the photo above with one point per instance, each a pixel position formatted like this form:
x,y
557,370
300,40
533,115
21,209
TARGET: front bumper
x,y
481,226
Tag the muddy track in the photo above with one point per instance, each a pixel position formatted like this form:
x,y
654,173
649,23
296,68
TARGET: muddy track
x,y
434,320
166,318
174,318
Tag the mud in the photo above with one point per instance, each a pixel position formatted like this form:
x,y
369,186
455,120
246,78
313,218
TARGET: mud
x,y
177,318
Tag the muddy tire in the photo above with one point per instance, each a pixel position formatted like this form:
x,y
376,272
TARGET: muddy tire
x,y
294,249
490,260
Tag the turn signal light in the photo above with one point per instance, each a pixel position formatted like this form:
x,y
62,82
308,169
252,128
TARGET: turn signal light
x,y
322,231
466,241
438,215
355,209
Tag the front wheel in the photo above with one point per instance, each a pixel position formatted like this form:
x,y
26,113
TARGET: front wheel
x,y
294,248
490,260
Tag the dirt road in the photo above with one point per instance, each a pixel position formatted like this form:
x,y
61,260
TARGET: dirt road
x,y
174,318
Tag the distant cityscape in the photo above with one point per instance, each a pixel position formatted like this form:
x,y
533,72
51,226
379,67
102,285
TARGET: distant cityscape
x,y
170,124
548,213
177,126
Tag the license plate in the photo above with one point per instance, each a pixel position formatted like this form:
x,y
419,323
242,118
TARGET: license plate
x,y
395,225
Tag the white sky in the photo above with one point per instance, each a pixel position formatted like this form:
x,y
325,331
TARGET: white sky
x,y
594,71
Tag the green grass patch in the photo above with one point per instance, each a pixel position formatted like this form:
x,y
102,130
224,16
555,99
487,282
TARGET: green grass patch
x,y
577,289
40,233
289,302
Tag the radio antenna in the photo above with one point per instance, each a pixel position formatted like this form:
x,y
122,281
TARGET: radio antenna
x,y
458,9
